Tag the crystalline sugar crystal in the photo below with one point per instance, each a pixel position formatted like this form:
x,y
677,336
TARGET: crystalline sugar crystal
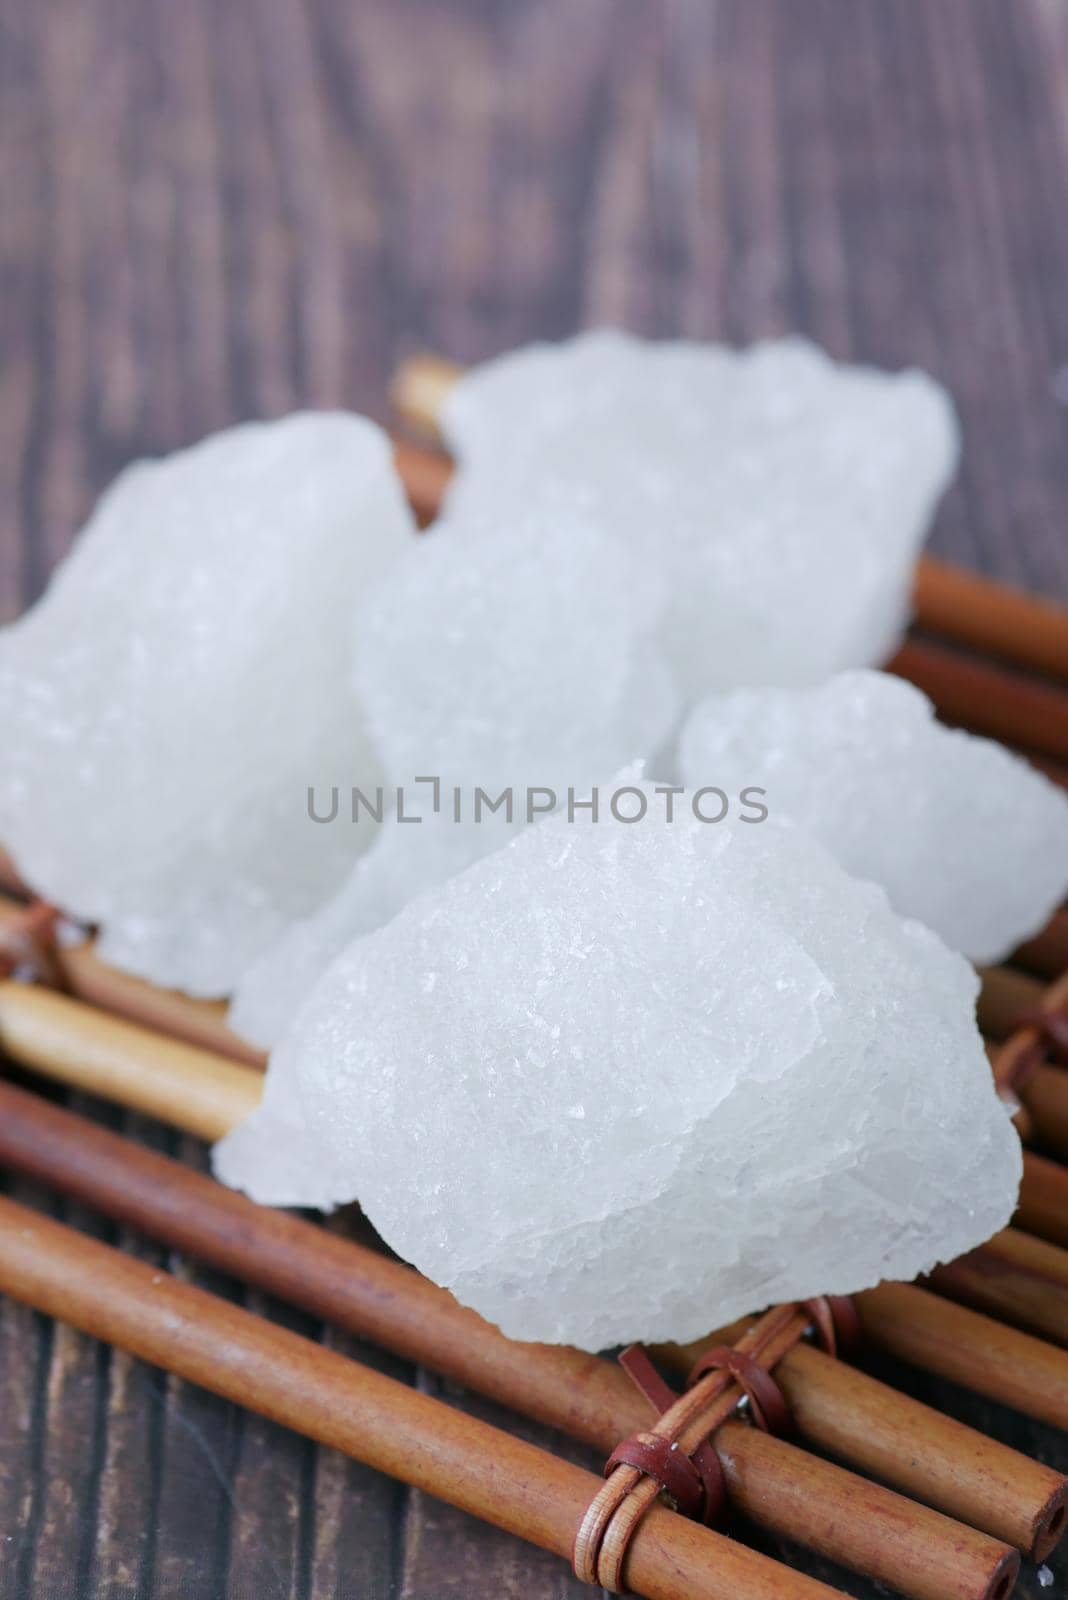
x,y
618,1082
782,496
185,679
959,832
493,658
514,652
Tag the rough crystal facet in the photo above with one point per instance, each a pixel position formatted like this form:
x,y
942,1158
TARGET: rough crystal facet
x,y
784,497
961,834
515,651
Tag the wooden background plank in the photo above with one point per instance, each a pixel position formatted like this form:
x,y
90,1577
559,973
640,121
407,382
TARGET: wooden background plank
x,y
223,210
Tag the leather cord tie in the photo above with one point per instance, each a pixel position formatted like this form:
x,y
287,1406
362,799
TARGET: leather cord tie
x,y
836,1323
711,1501
646,1467
28,944
1037,1036
767,1403
675,1458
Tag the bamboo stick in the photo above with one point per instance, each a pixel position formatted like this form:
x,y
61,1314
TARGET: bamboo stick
x,y
375,1419
1043,1204
198,1022
911,1447
419,389
194,1090
1004,996
991,617
987,699
1045,1097
955,1342
425,475
1019,1278
1047,953
950,601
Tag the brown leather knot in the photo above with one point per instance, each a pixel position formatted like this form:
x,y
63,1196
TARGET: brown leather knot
x,y
835,1322
641,1469
676,1456
767,1403
662,1459
28,943
704,1460
1036,1037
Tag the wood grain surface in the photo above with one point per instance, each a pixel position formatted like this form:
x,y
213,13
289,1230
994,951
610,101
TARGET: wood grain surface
x,y
213,211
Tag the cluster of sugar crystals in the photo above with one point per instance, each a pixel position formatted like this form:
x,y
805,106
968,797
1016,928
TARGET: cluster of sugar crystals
x,y
960,833
783,496
618,1082
604,1081
184,679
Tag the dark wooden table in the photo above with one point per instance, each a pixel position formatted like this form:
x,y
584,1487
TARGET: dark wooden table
x,y
218,211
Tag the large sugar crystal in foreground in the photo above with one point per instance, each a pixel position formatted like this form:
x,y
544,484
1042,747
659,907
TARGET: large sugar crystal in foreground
x,y
185,679
629,1081
959,832
783,496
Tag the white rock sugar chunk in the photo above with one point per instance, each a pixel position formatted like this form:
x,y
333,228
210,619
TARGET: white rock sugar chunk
x,y
515,651
403,859
495,658
185,678
783,496
617,1082
961,834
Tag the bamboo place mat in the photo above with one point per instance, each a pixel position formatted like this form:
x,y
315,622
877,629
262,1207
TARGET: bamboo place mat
x,y
872,1479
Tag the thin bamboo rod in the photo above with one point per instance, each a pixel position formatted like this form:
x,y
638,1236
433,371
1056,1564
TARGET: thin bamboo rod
x,y
192,1089
950,601
1016,1277
991,617
375,1419
953,1468
1043,1204
419,389
1005,995
198,1022
955,1342
986,699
